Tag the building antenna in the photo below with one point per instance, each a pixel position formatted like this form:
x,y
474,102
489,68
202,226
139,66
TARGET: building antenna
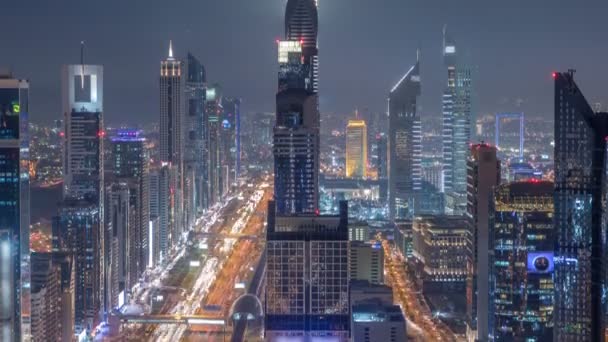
x,y
82,64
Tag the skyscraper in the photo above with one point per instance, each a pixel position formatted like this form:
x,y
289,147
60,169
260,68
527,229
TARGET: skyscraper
x,y
213,113
483,170
77,231
195,157
457,120
131,167
171,143
522,238
230,138
296,135
307,276
302,25
356,149
121,243
580,214
14,208
404,144
161,207
82,87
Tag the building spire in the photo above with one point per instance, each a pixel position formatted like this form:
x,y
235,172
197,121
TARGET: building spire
x,y
82,64
170,49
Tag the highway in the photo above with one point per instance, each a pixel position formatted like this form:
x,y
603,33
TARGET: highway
x,y
421,324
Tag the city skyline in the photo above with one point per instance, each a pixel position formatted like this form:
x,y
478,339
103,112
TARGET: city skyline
x,y
529,51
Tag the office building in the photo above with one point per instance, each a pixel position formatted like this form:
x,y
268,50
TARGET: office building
x,y
367,262
301,25
580,255
160,206
405,145
358,231
374,321
230,137
381,155
213,113
82,87
46,298
457,122
404,236
77,231
195,154
363,290
131,167
171,137
307,276
14,209
523,239
483,170
356,149
440,253
296,135
122,261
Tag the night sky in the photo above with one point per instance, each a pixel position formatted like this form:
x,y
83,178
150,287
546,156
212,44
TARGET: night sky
x,y
365,47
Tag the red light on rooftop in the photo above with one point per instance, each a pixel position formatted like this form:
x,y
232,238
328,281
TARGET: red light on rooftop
x,y
301,41
317,212
101,134
554,75
61,134
278,41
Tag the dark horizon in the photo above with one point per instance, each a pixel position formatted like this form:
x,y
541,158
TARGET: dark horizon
x,y
513,48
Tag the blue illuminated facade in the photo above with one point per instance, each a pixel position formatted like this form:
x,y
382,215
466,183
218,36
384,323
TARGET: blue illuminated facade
x,y
580,214
14,208
523,238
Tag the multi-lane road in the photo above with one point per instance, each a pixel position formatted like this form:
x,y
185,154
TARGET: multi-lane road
x,y
421,325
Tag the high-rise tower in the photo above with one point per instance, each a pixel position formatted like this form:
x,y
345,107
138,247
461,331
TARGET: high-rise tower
x,y
302,24
195,158
522,238
457,119
404,144
580,214
14,208
483,174
171,143
296,135
356,149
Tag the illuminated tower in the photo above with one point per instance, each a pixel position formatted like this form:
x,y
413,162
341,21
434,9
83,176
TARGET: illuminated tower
x,y
522,238
580,214
457,119
483,175
296,135
404,145
14,208
171,143
302,24
213,113
356,149
195,156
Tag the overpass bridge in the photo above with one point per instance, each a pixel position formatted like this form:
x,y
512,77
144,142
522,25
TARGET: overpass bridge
x,y
171,319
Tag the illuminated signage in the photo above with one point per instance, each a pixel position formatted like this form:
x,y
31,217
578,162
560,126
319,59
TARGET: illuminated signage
x,y
195,263
16,108
210,94
450,49
540,262
286,47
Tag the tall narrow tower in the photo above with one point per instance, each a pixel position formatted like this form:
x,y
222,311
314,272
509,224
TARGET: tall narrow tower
x,y
171,143
457,119
580,214
302,24
14,208
404,144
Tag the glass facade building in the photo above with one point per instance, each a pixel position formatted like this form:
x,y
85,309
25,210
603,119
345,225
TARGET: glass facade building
x,y
77,231
195,156
523,238
356,149
296,135
404,145
580,214
307,276
14,209
456,131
